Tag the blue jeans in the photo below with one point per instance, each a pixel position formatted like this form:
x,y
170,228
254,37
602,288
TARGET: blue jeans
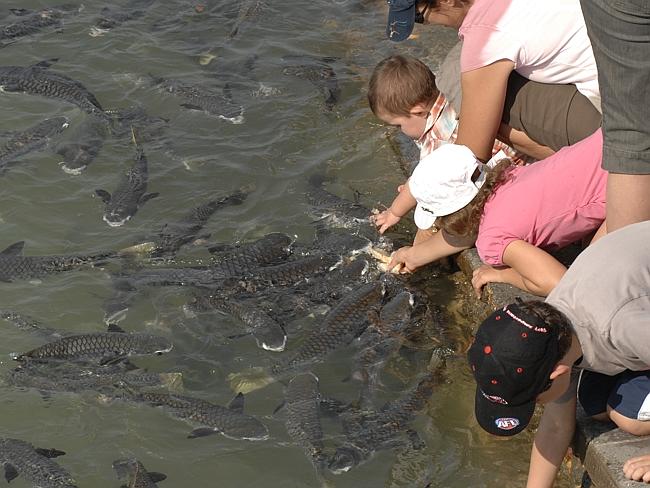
x,y
620,37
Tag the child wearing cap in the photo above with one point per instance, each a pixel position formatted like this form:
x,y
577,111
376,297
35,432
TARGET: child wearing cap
x,y
514,214
593,322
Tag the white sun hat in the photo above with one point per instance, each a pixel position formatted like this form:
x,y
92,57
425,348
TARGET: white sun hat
x,y
442,182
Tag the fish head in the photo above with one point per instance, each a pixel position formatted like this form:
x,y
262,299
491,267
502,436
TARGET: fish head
x,y
344,459
76,157
196,304
149,344
119,212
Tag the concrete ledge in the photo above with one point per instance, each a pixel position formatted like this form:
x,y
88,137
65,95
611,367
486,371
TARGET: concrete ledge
x,y
601,448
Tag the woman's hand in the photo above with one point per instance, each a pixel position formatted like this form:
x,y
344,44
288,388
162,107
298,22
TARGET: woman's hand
x,y
384,220
402,260
483,275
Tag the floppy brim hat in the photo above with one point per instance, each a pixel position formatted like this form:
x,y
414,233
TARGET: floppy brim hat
x,y
401,19
443,183
512,358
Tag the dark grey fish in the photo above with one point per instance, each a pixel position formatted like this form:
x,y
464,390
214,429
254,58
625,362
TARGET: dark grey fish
x,y
367,432
321,75
268,333
38,79
347,320
134,473
325,203
407,152
34,464
197,97
169,277
84,145
24,322
110,17
136,121
334,285
173,235
33,139
381,340
233,263
129,195
248,9
229,421
338,241
268,250
32,22
103,347
302,401
289,273
76,377
13,265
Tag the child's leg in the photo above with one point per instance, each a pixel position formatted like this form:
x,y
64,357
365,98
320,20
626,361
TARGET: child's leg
x,y
422,235
624,399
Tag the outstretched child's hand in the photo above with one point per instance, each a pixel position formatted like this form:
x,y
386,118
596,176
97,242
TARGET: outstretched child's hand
x,y
401,260
385,219
638,468
482,276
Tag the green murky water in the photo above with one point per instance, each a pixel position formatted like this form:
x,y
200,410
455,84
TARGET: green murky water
x,y
287,135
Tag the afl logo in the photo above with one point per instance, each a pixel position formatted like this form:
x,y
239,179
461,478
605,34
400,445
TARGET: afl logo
x,y
507,423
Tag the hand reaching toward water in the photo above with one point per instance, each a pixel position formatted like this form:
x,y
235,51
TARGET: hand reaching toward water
x,y
385,219
638,468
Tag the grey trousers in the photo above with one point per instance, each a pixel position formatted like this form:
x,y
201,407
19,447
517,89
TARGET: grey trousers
x,y
619,31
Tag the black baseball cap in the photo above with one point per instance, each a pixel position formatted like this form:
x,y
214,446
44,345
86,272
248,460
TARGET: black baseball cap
x,y
401,19
512,358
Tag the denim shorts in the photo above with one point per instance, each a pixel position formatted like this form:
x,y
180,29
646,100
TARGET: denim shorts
x,y
619,31
628,393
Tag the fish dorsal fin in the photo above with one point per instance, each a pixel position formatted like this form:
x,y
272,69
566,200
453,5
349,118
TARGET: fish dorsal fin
x,y
156,477
19,12
46,63
279,407
49,453
237,403
11,472
104,195
16,249
115,328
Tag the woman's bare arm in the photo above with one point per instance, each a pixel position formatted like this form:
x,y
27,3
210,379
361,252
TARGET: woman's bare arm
x,y
484,93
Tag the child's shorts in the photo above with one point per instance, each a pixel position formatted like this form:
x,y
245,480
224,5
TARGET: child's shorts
x,y
628,393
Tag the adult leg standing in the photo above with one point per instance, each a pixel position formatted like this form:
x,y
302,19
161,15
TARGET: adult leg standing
x,y
620,37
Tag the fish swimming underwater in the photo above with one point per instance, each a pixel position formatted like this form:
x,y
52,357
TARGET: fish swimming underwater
x,y
101,347
302,402
33,139
268,333
248,9
84,145
173,235
345,321
326,204
129,195
367,432
108,379
33,21
229,421
109,17
205,99
134,473
320,74
13,265
38,79
34,464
